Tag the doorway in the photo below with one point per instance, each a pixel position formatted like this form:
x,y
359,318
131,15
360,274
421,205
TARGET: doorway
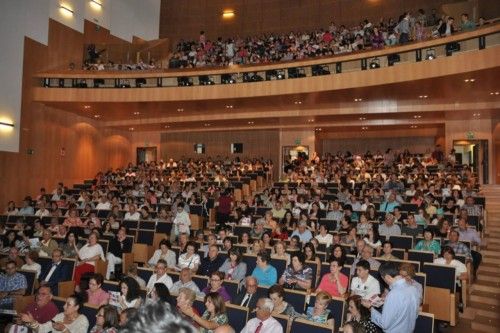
x,y
475,154
146,154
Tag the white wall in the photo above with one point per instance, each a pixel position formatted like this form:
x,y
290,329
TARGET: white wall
x,y
20,18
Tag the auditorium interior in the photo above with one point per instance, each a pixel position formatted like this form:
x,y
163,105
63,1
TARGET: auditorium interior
x,y
235,115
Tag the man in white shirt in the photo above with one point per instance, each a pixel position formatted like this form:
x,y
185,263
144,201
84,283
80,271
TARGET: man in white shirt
x,y
364,284
103,204
42,211
132,214
263,323
160,276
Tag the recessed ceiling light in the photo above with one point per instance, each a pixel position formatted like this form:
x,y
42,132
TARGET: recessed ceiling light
x,y
310,120
364,128
97,116
250,123
130,128
297,102
476,114
413,126
495,93
362,118
86,106
167,126
423,96
358,99
417,116
469,80
229,106
206,125
136,113
180,109
319,129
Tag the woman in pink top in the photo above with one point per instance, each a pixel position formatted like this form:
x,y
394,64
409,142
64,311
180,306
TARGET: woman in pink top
x,y
96,295
334,283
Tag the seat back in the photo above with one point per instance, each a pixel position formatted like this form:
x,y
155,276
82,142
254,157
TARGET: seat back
x,y
424,323
231,287
145,273
140,252
237,315
300,325
440,276
421,256
145,236
251,261
30,281
402,242
279,264
201,281
296,298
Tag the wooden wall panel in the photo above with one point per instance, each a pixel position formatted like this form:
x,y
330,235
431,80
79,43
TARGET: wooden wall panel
x,y
259,143
185,18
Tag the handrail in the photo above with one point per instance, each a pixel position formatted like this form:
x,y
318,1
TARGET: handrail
x,y
165,73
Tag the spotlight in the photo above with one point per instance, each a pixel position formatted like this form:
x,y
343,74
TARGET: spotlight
x,y
430,54
184,81
375,63
205,80
227,79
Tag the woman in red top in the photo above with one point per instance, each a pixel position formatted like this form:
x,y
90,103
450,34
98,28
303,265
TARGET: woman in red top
x,y
334,283
224,208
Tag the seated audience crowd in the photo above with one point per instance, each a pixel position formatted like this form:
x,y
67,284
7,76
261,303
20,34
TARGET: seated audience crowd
x,y
326,230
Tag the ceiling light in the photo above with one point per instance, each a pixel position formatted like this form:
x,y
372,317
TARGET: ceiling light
x,y
97,5
97,116
495,93
469,80
413,126
476,114
358,99
65,10
228,14
3,123
362,118
136,113
206,125
229,106
423,96
319,129
86,106
167,126
297,102
250,123
180,109
364,128
130,128
310,120
417,116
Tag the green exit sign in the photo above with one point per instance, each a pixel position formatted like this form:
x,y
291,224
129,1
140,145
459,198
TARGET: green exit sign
x,y
470,135
297,141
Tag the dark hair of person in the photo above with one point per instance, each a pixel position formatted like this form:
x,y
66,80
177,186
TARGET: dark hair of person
x,y
310,246
363,311
165,242
343,256
110,316
276,289
193,244
235,251
388,242
218,301
99,279
79,300
364,264
163,294
133,288
449,250
388,268
429,230
356,327
339,261
157,318
129,313
67,237
264,256
300,256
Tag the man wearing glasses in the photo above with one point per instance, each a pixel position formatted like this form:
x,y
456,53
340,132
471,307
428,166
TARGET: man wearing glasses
x,y
160,276
42,309
12,284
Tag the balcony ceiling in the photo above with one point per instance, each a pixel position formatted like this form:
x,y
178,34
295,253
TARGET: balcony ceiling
x,y
402,104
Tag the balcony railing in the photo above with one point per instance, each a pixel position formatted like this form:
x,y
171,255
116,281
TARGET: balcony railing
x,y
484,37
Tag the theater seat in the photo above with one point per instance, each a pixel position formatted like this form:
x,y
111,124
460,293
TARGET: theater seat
x,y
300,325
425,323
237,316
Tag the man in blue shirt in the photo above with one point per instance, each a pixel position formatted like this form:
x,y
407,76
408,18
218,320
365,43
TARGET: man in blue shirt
x,y
400,309
303,233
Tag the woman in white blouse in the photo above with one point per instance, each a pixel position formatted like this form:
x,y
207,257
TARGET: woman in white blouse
x,y
31,264
164,253
448,258
87,257
190,258
69,321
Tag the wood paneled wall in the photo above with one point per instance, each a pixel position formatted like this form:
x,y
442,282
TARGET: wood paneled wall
x,y
259,143
186,18
88,148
